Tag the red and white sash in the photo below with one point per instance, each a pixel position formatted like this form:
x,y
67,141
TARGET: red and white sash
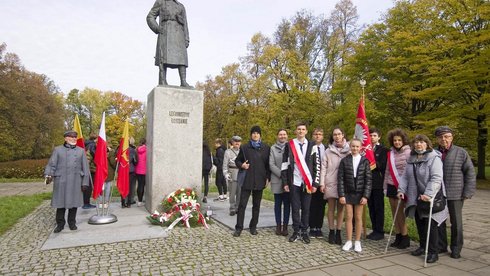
x,y
299,159
393,171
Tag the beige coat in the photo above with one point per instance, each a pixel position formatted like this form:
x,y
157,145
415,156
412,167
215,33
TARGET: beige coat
x,y
330,167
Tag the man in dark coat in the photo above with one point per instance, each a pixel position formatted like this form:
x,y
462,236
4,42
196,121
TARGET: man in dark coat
x,y
460,182
173,38
317,205
254,159
301,179
376,202
69,170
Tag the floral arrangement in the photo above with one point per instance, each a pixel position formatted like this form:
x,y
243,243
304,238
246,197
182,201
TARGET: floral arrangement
x,y
181,207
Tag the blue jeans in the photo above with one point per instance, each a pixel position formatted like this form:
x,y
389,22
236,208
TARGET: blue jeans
x,y
279,200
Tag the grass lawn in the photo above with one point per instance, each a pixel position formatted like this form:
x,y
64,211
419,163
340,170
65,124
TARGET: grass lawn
x,y
13,208
484,183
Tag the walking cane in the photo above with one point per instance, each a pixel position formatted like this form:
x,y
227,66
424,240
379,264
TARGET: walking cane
x,y
392,225
428,232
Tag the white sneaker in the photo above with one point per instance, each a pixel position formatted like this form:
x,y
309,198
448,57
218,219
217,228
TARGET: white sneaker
x,y
139,204
225,197
106,205
357,246
347,246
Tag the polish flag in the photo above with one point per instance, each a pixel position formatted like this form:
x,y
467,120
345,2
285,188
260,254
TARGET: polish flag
x,y
100,160
78,129
362,133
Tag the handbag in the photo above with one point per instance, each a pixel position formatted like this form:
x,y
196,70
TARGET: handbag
x,y
423,207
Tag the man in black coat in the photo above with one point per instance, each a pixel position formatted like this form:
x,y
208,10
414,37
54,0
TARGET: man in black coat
x,y
376,202
301,179
254,158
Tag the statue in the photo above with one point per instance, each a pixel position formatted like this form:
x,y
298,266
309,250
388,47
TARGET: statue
x,y
173,38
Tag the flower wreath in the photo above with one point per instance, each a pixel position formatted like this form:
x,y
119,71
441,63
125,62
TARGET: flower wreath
x,y
180,206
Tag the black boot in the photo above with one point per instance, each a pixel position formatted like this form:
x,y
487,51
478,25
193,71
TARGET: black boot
x,y
58,228
284,231
432,258
182,74
404,242
331,237
338,237
278,230
397,240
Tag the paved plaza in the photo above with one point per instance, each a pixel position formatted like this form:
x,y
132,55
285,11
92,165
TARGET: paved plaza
x,y
214,251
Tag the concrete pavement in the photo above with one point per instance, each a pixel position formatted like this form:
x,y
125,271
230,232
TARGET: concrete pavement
x,y
214,251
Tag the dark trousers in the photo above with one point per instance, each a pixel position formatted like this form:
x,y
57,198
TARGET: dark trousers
x,y
376,206
422,224
317,209
132,186
141,186
88,192
60,216
256,199
280,200
456,217
221,183
205,176
300,205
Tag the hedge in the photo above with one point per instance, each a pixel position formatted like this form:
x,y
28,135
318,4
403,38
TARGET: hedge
x,y
23,168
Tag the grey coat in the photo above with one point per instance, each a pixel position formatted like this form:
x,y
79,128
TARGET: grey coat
x,y
229,166
173,34
429,176
70,171
275,162
459,174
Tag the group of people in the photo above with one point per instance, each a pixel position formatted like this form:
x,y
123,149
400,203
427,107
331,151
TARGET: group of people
x,y
307,177
71,169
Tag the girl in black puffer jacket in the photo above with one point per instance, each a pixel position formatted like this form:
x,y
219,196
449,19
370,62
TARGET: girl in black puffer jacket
x,y
354,187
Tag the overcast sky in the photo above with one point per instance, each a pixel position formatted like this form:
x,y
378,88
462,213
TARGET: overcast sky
x,y
107,45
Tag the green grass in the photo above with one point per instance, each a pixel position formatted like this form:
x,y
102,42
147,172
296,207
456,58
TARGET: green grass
x,y
484,183
13,208
15,180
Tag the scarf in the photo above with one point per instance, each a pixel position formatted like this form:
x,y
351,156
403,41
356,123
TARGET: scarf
x,y
256,144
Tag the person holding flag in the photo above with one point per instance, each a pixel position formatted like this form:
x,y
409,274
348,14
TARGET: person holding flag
x,y
124,159
100,161
87,146
300,175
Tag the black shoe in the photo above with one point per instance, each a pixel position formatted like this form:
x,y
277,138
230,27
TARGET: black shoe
x,y
404,242
305,238
73,227
313,232
375,236
253,231
237,233
370,235
331,237
418,252
232,213
123,205
319,234
397,240
294,237
432,258
204,200
338,237
58,229
455,255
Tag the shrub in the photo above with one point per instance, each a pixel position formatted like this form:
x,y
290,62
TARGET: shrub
x,y
23,168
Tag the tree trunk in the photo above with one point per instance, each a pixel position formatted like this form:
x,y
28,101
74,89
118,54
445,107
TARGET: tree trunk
x,y
482,142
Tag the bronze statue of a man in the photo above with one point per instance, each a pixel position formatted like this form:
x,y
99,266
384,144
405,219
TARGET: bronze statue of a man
x,y
173,38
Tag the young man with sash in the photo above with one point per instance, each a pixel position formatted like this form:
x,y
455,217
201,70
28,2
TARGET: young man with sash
x,y
300,174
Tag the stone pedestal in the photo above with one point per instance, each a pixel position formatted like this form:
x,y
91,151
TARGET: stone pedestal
x,y
174,142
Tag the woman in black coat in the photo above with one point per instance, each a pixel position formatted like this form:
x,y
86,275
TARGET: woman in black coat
x,y
354,187
207,164
254,159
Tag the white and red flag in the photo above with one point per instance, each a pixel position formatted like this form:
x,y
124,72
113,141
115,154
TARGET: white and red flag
x,y
100,160
362,133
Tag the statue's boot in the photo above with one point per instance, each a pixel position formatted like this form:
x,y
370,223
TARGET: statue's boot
x,y
162,76
182,74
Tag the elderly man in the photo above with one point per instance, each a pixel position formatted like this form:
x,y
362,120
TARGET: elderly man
x,y
230,171
68,169
460,182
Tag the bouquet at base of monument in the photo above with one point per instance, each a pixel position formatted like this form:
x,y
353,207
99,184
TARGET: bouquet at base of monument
x,y
180,208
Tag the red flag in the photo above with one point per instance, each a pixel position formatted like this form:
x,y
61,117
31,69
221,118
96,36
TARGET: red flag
x,y
100,160
78,129
362,133
123,160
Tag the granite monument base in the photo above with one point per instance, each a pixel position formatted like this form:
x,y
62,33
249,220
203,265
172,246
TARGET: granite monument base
x,y
174,142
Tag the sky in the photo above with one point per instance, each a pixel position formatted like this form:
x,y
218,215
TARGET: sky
x,y
107,45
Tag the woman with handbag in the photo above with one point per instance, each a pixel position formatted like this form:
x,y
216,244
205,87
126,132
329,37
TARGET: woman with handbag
x,y
423,182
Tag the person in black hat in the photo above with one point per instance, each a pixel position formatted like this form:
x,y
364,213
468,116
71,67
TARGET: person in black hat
x,y
254,159
68,168
460,182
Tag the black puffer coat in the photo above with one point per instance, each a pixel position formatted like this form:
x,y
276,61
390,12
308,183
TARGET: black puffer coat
x,y
361,185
